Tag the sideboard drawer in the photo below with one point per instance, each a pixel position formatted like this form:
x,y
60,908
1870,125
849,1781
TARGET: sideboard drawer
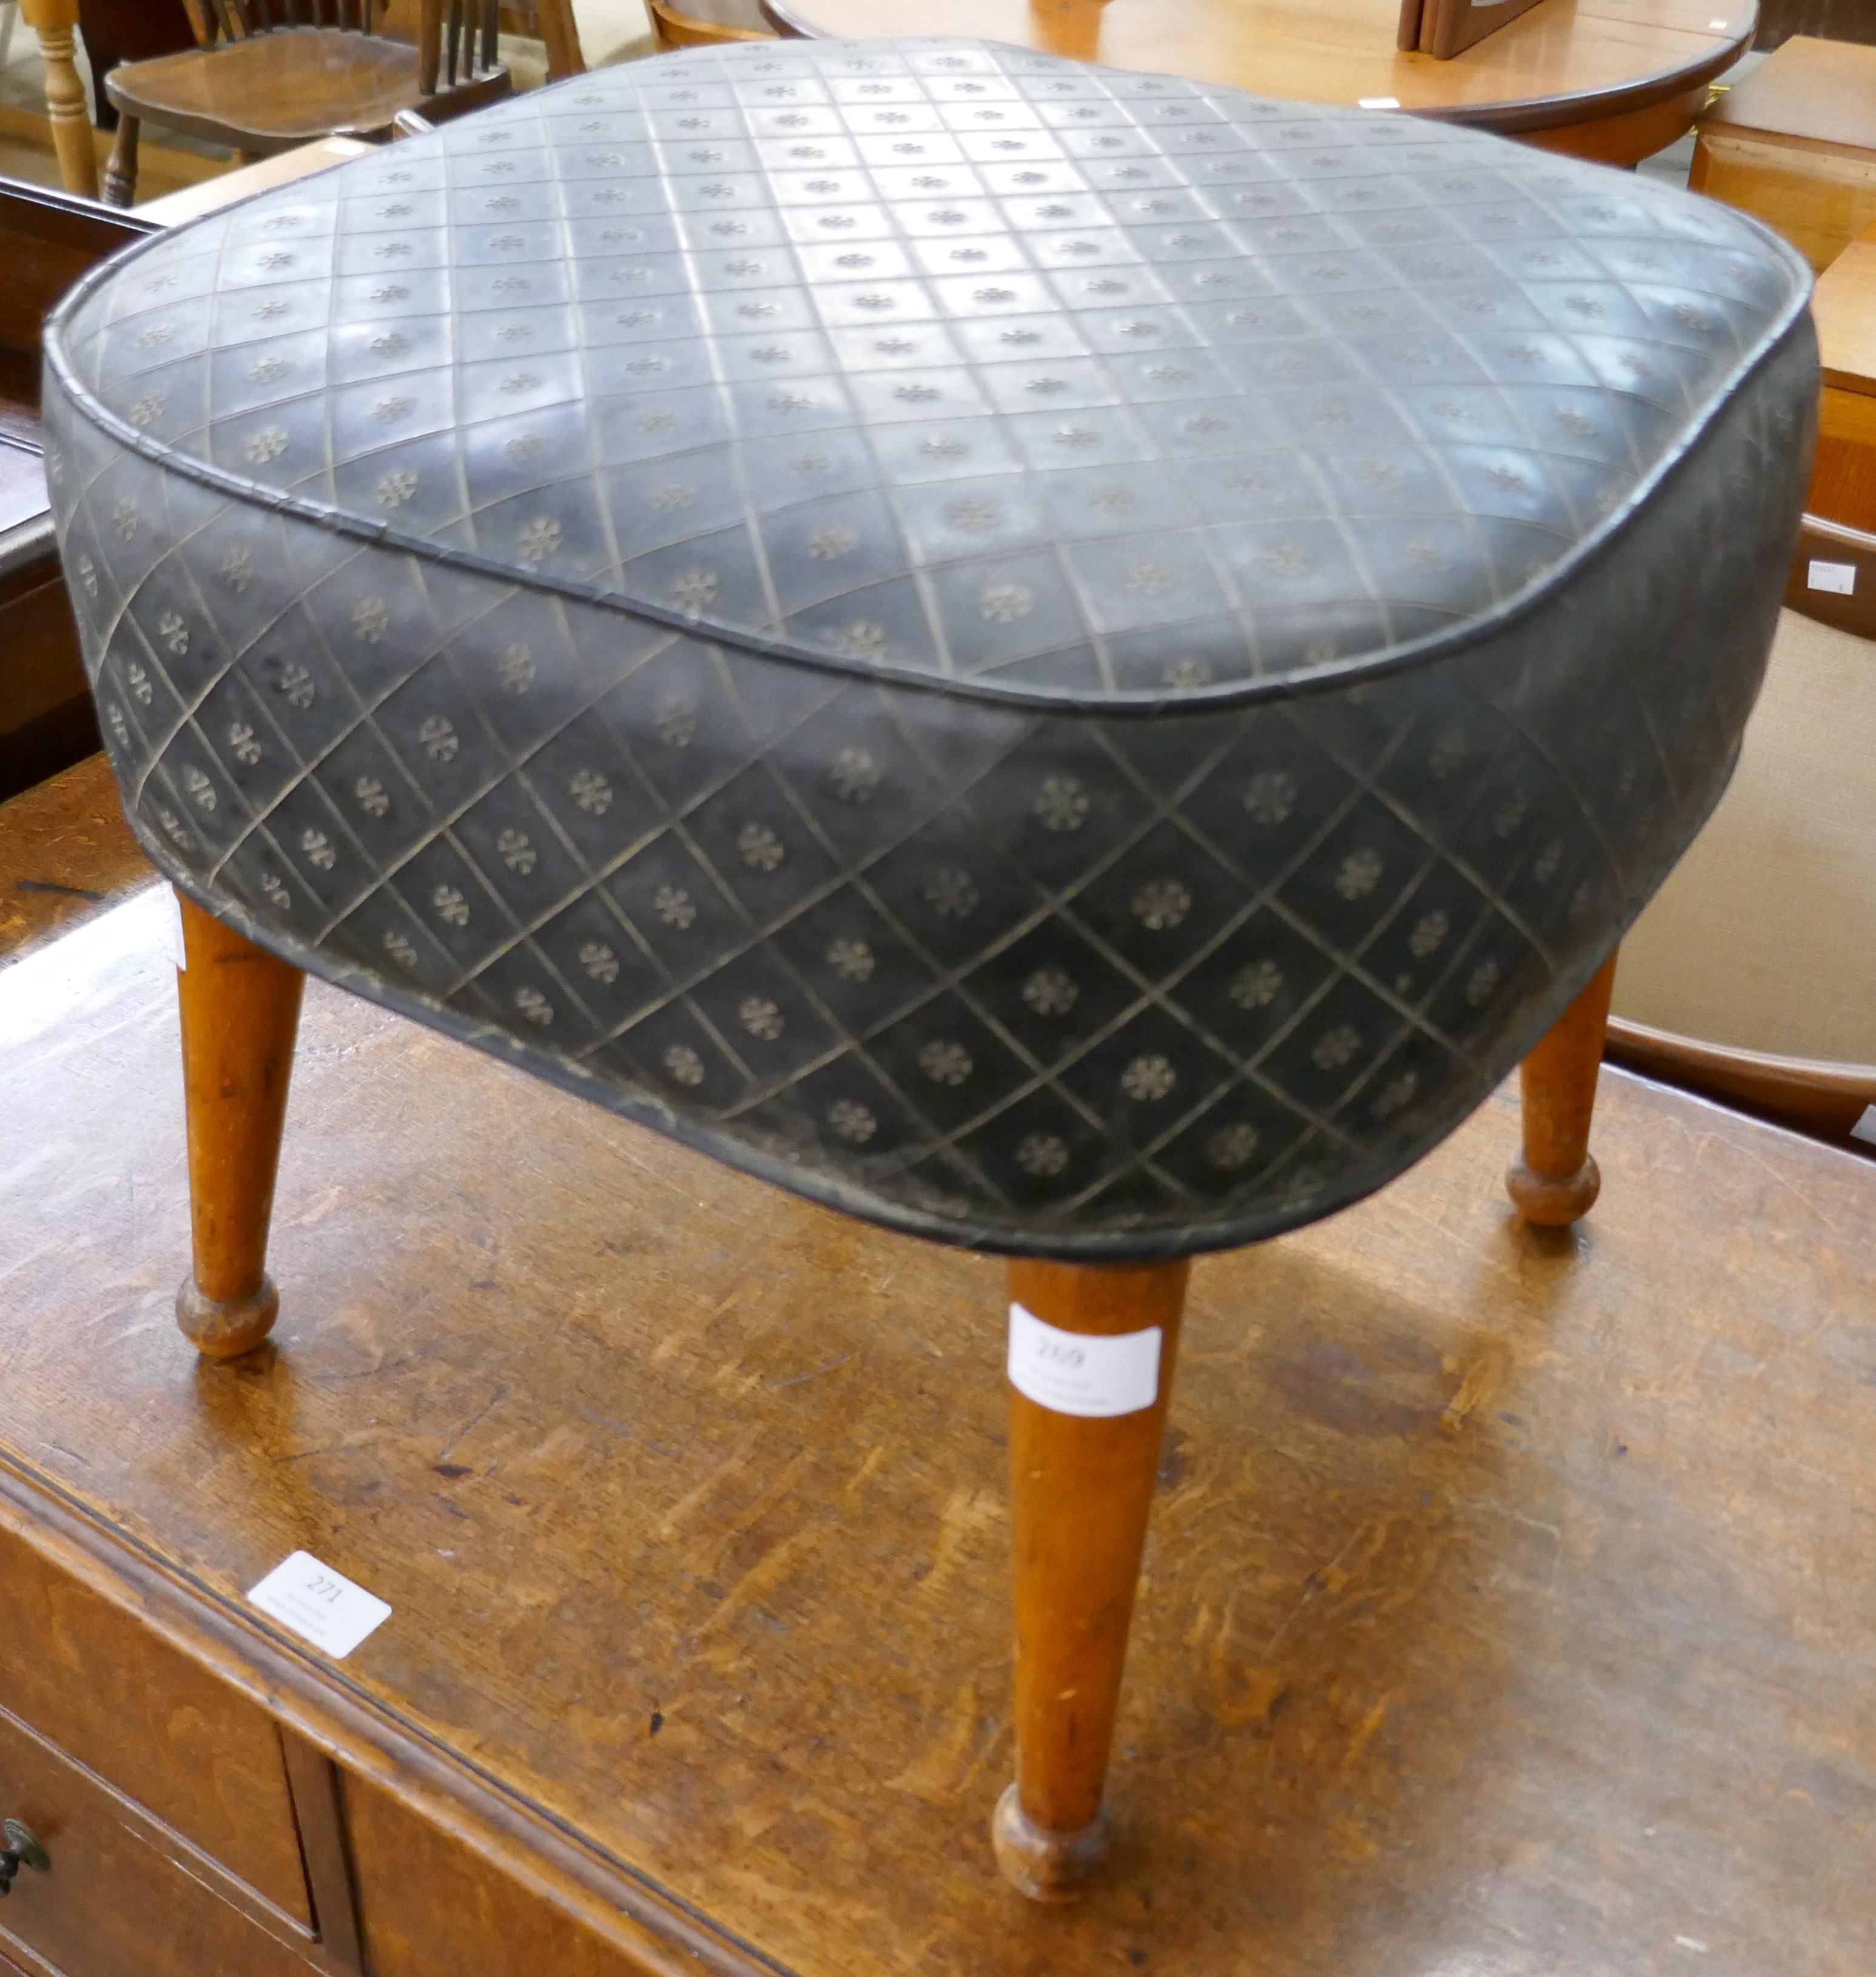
x,y
88,1678
127,1896
430,1907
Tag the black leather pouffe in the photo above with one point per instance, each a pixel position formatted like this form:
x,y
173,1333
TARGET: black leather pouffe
x,y
1065,661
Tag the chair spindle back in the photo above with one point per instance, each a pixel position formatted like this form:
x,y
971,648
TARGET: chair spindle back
x,y
233,20
456,39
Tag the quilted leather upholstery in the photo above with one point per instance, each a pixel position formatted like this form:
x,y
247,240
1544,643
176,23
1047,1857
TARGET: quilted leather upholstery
x,y
1068,661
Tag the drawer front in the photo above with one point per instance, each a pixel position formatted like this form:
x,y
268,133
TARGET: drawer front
x,y
430,1907
127,1897
206,1760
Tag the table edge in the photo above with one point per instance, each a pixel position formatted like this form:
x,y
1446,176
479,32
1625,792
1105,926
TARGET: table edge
x,y
1507,117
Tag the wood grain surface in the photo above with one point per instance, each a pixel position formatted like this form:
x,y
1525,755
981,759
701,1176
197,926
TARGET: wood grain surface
x,y
65,853
125,1896
1566,63
1826,542
314,1781
1505,1606
246,181
1843,482
1843,308
133,1710
1450,27
707,23
1809,92
1794,143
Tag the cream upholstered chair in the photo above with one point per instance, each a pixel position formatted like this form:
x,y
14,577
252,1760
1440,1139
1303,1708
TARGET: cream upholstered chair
x,y
1749,975
613,30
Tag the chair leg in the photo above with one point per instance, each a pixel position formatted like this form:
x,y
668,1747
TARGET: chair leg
x,y
562,34
241,1010
120,167
1554,1180
1081,1484
67,107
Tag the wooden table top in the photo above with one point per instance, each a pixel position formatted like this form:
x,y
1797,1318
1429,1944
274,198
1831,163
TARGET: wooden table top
x,y
1843,308
1809,93
1507,1608
1563,62
65,852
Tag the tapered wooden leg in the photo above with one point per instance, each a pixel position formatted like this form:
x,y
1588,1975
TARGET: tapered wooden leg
x,y
1554,1180
241,1010
1081,1485
120,166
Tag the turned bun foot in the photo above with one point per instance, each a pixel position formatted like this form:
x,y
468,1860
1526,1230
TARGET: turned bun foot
x,y
1553,1201
225,1328
1046,1866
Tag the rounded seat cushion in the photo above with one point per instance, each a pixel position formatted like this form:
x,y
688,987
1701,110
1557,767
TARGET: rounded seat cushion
x,y
1066,660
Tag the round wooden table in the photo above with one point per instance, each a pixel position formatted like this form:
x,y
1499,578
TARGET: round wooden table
x,y
1611,80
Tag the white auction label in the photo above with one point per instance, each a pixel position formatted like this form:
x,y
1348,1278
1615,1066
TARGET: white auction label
x,y
1377,102
1865,1128
320,1605
1073,1373
1840,577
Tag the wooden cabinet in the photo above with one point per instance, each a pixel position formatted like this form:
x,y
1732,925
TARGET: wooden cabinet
x,y
1794,143
1477,1556
48,239
81,1674
127,1895
430,1907
194,1832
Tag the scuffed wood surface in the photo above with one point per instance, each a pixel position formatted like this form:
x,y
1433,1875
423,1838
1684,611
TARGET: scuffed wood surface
x,y
206,1763
1507,1606
65,851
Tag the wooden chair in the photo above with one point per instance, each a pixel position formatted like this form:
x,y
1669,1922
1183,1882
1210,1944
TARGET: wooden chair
x,y
420,123
703,23
550,23
1829,1101
1746,979
1804,1082
273,74
116,32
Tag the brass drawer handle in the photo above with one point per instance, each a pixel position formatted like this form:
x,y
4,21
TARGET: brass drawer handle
x,y
22,1850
